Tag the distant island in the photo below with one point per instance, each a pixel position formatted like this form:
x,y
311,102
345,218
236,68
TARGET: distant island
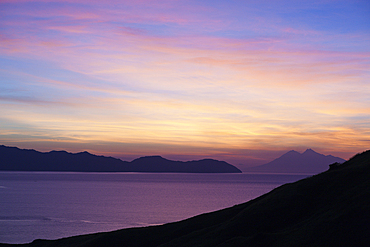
x,y
15,159
294,162
328,209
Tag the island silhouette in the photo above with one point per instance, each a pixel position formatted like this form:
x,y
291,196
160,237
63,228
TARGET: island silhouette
x,y
15,159
328,209
309,162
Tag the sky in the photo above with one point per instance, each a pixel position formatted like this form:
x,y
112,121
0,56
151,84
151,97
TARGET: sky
x,y
239,81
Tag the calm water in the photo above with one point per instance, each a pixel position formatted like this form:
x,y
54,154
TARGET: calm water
x,y
54,205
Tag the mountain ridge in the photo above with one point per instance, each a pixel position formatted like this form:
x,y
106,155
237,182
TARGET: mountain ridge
x,y
16,159
309,161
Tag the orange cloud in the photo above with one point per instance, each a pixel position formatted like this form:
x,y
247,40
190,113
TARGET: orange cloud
x,y
153,74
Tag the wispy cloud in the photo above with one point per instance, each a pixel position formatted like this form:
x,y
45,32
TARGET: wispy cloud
x,y
210,77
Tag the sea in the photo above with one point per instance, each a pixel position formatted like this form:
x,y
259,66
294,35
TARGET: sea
x,y
52,205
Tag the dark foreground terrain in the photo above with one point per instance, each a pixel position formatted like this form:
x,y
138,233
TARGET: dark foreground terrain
x,y
328,209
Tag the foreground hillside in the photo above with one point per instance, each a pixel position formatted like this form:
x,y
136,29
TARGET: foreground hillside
x,y
328,209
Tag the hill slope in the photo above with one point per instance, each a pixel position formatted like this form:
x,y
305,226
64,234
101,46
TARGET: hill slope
x,y
328,209
294,162
159,164
15,159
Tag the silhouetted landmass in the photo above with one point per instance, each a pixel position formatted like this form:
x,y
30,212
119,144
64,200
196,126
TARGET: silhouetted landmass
x,y
328,209
15,159
159,164
293,162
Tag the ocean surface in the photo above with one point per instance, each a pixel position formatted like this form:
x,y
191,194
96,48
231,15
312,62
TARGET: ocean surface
x,y
51,205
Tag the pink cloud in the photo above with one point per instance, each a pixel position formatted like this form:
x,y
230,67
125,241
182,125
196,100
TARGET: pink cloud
x,y
149,61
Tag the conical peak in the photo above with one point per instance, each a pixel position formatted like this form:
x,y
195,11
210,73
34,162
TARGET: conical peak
x,y
309,150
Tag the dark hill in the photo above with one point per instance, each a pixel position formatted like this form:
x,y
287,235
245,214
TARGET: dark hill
x,y
293,162
328,209
15,159
159,164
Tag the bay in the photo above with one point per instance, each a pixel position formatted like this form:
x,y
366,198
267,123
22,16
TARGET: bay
x,y
51,205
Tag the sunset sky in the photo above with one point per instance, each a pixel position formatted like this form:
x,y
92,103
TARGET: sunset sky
x,y
240,81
